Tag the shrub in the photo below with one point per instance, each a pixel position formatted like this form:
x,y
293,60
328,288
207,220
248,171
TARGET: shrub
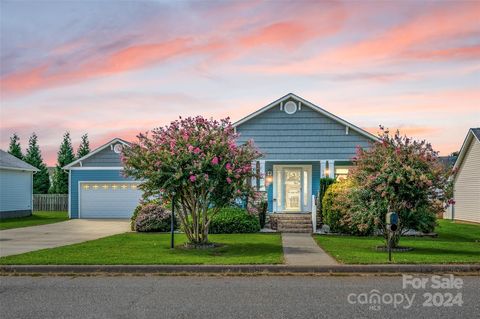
x,y
134,216
234,220
336,206
153,217
341,210
325,182
257,205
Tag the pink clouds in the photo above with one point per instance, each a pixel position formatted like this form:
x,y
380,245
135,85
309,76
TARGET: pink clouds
x,y
226,41
285,33
123,60
412,65
440,25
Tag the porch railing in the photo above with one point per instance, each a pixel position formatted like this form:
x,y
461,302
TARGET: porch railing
x,y
314,214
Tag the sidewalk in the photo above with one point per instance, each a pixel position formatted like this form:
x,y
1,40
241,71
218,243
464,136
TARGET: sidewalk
x,y
300,249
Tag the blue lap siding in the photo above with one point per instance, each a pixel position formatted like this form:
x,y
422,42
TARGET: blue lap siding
x,y
90,175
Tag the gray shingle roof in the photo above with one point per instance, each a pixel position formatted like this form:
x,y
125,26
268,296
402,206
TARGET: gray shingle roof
x,y
476,132
8,161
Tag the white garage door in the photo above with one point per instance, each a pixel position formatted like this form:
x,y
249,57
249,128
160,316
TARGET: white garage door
x,y
108,199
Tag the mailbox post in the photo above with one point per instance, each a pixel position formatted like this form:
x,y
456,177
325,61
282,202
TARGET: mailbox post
x,y
172,224
392,226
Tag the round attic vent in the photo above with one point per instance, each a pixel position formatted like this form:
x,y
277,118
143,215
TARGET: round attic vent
x,y
117,148
290,107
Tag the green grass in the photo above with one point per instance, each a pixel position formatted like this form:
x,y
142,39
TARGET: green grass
x,y
37,218
154,248
456,243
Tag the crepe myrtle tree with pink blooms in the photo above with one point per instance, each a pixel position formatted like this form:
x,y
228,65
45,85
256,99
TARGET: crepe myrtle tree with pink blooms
x,y
198,161
401,175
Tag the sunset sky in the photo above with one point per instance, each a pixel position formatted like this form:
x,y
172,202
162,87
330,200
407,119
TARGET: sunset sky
x,y
113,69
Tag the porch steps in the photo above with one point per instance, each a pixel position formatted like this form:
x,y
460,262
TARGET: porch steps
x,y
294,223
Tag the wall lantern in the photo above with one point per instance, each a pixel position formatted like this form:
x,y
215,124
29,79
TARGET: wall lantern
x,y
269,178
327,172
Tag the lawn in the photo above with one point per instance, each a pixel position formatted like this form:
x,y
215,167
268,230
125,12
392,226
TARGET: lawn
x,y
456,243
154,248
37,218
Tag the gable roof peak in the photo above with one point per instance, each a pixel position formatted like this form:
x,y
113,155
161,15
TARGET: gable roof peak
x,y
95,151
310,105
472,134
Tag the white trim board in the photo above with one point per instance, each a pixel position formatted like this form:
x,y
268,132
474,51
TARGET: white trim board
x,y
313,107
19,169
104,146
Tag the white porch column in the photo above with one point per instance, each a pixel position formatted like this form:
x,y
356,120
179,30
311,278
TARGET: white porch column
x,y
323,166
262,176
331,169
254,171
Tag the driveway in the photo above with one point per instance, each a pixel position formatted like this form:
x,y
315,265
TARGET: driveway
x,y
22,240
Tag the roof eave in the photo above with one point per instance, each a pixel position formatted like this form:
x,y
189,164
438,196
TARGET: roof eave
x,y
20,169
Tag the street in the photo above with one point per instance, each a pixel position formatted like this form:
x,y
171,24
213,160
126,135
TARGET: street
x,y
239,297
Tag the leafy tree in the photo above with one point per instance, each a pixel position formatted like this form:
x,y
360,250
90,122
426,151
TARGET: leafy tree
x,y
402,175
41,181
84,147
65,156
15,149
197,161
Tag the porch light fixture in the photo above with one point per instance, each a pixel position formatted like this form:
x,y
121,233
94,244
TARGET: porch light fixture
x,y
269,178
327,172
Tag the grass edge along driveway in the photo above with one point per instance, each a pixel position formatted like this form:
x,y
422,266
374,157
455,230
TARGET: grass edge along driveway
x,y
456,243
154,248
37,218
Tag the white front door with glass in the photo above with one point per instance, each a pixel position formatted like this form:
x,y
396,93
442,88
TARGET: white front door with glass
x,y
292,188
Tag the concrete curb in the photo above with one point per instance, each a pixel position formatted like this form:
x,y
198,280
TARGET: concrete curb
x,y
236,269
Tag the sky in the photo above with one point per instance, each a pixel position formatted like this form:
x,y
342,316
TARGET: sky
x,y
117,68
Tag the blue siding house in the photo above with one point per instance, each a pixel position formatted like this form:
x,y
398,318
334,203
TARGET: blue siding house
x,y
16,186
300,142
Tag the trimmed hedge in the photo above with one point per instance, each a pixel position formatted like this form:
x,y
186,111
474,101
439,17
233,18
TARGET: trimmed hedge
x,y
232,220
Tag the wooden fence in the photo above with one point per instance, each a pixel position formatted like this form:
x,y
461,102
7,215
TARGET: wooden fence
x,y
50,202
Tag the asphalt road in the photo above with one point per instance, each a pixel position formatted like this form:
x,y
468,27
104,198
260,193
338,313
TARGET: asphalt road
x,y
233,297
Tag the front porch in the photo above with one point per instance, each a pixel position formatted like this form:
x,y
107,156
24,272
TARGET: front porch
x,y
291,185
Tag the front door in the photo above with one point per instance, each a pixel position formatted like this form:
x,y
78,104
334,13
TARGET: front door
x,y
292,188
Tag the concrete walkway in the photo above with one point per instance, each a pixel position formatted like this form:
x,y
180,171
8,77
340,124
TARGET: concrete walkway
x,y
300,249
22,240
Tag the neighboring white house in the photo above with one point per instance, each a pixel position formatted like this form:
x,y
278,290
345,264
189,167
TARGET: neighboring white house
x,y
467,180
16,186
